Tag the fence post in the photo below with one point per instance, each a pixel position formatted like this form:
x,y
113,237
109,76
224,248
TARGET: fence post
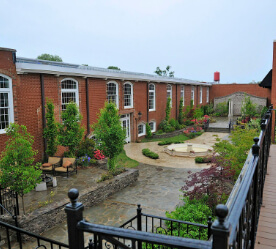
x,y
139,223
209,226
74,211
221,228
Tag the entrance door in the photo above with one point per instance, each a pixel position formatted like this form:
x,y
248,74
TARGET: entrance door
x,y
125,121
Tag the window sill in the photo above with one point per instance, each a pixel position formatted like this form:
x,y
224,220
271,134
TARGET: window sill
x,y
152,110
142,134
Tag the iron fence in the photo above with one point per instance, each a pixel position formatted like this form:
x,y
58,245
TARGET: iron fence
x,y
9,200
162,225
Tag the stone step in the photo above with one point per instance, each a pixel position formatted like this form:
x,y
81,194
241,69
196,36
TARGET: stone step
x,y
218,129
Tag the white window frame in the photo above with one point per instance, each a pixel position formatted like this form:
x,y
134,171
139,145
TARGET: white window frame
x,y
76,91
144,129
193,94
154,125
200,95
207,95
152,91
10,101
117,92
182,94
169,92
131,95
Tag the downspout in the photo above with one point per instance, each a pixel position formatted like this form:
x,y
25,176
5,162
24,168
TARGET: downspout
x,y
43,111
87,107
176,105
148,102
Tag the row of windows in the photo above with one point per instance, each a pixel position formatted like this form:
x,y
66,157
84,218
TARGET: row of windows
x,y
70,92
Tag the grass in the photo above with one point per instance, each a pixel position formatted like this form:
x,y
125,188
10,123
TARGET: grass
x,y
177,139
124,161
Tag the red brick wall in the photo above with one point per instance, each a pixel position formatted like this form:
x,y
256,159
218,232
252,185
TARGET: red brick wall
x,y
221,90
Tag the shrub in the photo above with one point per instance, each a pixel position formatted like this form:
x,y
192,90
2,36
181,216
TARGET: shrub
x,y
148,131
168,109
148,153
264,110
50,131
181,113
165,126
98,154
203,159
189,123
165,142
248,108
70,131
87,147
195,211
109,132
221,109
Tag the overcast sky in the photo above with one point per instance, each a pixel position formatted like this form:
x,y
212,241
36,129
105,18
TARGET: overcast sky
x,y
195,37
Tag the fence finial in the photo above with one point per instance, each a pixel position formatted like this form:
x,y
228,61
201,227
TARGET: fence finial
x,y
73,194
221,228
255,147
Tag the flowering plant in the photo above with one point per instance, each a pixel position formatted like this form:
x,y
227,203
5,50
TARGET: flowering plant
x,y
98,154
85,161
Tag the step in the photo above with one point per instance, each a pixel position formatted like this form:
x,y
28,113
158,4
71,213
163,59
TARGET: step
x,y
218,129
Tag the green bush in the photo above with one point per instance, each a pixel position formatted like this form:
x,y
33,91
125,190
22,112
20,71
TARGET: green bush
x,y
148,153
199,160
86,148
189,123
165,142
195,211
110,174
148,131
264,110
165,126
222,109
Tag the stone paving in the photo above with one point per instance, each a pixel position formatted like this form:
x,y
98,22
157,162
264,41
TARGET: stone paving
x,y
157,188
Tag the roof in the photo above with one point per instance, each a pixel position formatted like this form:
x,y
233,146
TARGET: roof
x,y
25,65
267,81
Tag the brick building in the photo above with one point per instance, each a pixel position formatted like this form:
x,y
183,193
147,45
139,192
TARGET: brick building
x,y
25,85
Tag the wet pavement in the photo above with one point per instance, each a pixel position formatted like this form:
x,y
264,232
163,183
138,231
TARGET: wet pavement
x,y
157,189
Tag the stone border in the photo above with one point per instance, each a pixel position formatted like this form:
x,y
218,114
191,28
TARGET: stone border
x,y
44,218
170,134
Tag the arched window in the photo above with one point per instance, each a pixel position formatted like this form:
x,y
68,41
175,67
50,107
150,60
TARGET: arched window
x,y
141,129
128,95
6,103
169,93
151,97
207,95
112,92
69,92
200,95
182,94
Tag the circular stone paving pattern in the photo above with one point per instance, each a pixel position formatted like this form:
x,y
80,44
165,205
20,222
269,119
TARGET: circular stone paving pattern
x,y
188,150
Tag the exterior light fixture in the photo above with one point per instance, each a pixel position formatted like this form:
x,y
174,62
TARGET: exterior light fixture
x,y
139,115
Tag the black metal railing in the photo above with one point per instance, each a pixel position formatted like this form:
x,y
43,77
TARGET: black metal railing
x,y
9,200
162,225
8,241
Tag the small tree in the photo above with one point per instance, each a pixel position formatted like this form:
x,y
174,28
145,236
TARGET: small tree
x,y
165,72
110,133
248,108
49,57
148,131
50,131
17,169
181,113
71,131
168,109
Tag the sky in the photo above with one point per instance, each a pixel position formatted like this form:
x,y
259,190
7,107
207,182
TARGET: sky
x,y
195,37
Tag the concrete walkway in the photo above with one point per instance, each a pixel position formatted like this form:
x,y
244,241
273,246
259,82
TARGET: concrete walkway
x,y
134,151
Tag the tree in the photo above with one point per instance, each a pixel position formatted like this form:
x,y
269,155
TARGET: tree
x,y
50,131
17,169
168,109
181,113
114,68
49,57
248,109
165,72
70,131
109,132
